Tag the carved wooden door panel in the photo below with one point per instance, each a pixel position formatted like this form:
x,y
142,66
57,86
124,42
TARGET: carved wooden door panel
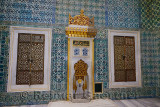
x,y
23,59
119,63
130,59
30,59
124,59
37,59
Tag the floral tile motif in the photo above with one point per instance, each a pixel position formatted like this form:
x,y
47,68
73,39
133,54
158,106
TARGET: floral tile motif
x,y
107,13
92,8
38,11
122,13
59,62
76,51
4,58
149,63
149,58
85,52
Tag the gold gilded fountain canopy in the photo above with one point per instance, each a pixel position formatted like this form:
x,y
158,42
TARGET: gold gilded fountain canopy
x,y
81,20
81,26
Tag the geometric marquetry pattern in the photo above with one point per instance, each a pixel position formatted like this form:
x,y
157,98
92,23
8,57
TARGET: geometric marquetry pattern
x,y
122,13
124,58
129,53
38,11
93,8
119,57
37,56
37,59
30,59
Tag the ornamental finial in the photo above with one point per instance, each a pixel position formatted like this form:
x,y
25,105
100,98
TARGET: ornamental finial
x,y
84,26
81,20
82,11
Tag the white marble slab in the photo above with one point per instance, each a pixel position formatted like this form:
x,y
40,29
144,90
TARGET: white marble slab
x,y
145,102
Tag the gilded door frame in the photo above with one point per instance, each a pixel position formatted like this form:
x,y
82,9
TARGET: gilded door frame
x,y
68,68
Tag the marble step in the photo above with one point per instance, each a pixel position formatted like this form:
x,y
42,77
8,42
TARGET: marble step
x,y
80,100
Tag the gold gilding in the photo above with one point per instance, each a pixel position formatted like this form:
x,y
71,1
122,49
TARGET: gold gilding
x,y
81,20
68,69
80,74
80,31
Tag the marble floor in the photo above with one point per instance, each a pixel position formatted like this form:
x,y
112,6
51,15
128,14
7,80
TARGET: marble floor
x,y
147,102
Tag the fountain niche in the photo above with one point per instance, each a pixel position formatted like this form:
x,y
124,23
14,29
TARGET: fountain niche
x,y
80,80
80,74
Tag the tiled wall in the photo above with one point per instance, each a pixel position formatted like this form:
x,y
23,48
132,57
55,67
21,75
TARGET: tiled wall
x,y
149,67
113,14
38,11
92,8
158,60
4,51
150,18
101,57
122,13
59,61
149,58
58,71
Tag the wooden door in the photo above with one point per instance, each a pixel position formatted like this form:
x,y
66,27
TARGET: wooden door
x,y
124,59
30,59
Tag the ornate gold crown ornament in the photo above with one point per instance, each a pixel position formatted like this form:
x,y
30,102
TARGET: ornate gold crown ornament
x,y
81,26
81,20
